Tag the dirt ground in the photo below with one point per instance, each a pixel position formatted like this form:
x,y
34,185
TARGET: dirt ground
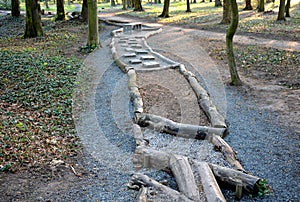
x,y
41,181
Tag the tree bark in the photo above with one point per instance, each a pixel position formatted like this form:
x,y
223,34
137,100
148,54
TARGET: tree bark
x,y
226,12
60,10
46,4
162,124
15,8
124,5
33,19
165,13
84,11
287,8
93,34
235,178
188,6
280,16
235,79
261,6
138,5
184,176
248,6
112,3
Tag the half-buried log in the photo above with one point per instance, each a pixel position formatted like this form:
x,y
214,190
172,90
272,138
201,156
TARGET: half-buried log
x,y
227,152
142,195
138,136
235,178
162,124
134,92
163,193
184,176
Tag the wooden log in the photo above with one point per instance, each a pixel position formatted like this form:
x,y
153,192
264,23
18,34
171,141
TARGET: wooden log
x,y
209,183
145,157
184,176
235,178
165,193
178,129
142,195
227,151
138,136
134,92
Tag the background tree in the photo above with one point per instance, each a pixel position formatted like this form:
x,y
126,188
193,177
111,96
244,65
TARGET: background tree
x,y
188,6
248,6
226,12
281,11
124,5
165,13
46,4
261,6
93,34
112,3
218,3
287,8
84,11
138,5
235,79
60,10
33,19
15,8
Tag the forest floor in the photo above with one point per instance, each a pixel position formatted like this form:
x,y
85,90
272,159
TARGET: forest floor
x,y
270,76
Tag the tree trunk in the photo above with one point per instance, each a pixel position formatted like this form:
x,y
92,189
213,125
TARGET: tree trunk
x,y
248,6
124,5
226,12
287,8
84,11
33,19
188,6
138,5
165,13
93,35
218,3
194,1
60,10
15,8
281,11
129,3
46,4
162,124
235,79
261,6
112,3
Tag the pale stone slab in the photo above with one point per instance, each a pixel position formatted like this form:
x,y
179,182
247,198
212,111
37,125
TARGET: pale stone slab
x,y
141,51
136,46
129,50
147,57
128,55
151,64
135,61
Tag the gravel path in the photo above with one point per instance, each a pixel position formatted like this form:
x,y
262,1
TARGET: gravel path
x,y
104,126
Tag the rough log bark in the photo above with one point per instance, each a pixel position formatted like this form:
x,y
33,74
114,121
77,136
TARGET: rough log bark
x,y
145,157
235,178
135,95
164,192
184,176
162,124
138,136
227,151
142,196
209,182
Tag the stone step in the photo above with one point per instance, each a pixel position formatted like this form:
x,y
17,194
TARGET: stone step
x,y
129,55
141,51
151,64
136,46
147,57
135,61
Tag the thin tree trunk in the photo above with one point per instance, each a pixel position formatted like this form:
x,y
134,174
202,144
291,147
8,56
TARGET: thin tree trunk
x,y
261,6
218,3
188,6
33,19
226,12
248,5
15,8
287,8
124,5
138,5
84,11
112,3
46,4
281,11
60,10
235,79
165,13
93,35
